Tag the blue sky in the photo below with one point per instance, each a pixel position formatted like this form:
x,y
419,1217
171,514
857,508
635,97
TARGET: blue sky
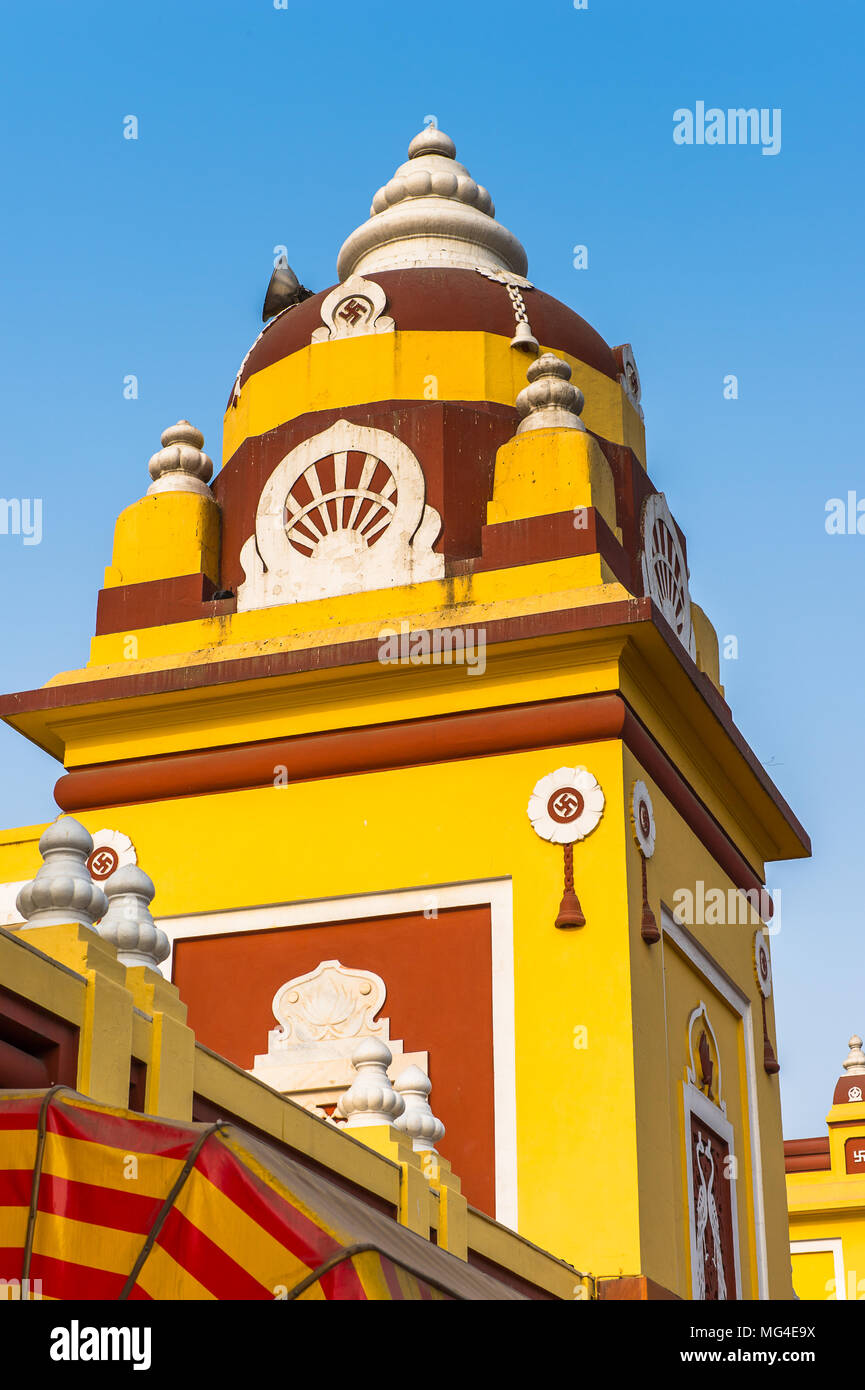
x,y
260,126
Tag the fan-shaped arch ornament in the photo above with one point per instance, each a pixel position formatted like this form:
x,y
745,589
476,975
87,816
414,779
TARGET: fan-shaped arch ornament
x,y
345,511
665,573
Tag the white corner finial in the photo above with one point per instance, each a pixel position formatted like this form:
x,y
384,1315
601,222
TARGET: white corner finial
x,y
62,890
128,924
550,402
855,1063
418,1120
371,1099
180,465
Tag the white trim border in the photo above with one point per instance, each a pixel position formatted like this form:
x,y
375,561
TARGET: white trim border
x,y
741,1005
833,1246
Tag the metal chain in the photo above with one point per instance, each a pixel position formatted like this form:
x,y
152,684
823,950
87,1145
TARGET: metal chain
x,y
519,304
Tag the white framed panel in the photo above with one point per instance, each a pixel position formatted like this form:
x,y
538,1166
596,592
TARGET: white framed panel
x,y
740,1005
695,1103
497,894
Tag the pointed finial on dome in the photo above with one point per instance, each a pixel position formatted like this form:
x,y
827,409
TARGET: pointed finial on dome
x,y
431,213
62,890
431,140
371,1099
855,1063
181,465
128,924
418,1120
550,402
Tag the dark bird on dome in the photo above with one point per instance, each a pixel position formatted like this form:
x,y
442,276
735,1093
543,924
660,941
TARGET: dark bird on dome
x,y
284,291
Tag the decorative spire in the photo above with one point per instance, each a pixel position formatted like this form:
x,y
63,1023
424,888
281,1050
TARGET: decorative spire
x,y
418,1120
431,213
371,1099
855,1063
180,465
550,402
128,924
62,890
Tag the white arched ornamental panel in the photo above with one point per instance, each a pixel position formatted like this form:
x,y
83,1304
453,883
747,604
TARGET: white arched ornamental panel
x,y
344,512
665,573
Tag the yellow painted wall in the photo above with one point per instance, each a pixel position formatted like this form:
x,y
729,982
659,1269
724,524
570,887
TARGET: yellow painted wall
x,y
168,534
465,366
814,1274
463,599
666,988
600,1143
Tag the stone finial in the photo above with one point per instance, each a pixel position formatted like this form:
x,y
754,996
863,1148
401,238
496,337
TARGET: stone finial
x,y
855,1063
62,890
431,140
550,402
128,924
431,213
371,1099
418,1120
180,465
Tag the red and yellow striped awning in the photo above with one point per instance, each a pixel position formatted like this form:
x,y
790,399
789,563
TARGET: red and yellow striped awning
x,y
99,1203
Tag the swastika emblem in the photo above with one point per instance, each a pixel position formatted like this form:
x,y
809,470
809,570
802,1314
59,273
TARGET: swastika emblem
x,y
353,311
762,965
103,862
565,805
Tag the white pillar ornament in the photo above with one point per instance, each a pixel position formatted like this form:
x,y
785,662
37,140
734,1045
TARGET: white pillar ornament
x,y
763,976
128,924
643,824
371,1099
181,464
564,807
62,890
550,402
855,1063
418,1120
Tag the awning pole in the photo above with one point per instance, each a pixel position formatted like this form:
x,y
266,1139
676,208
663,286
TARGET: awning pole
x,y
162,1217
37,1177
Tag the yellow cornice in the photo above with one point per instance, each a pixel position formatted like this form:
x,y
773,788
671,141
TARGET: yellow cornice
x,y
678,707
471,599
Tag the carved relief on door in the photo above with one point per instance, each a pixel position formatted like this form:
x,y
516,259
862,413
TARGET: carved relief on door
x,y
712,1168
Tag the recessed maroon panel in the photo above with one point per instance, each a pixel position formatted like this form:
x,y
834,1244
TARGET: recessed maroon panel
x,y
438,974
455,443
712,1213
854,1154
41,1049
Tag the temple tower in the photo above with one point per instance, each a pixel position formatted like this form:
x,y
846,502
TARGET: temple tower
x,y
411,705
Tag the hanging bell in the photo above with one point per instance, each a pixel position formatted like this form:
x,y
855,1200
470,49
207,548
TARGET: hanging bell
x,y
524,338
